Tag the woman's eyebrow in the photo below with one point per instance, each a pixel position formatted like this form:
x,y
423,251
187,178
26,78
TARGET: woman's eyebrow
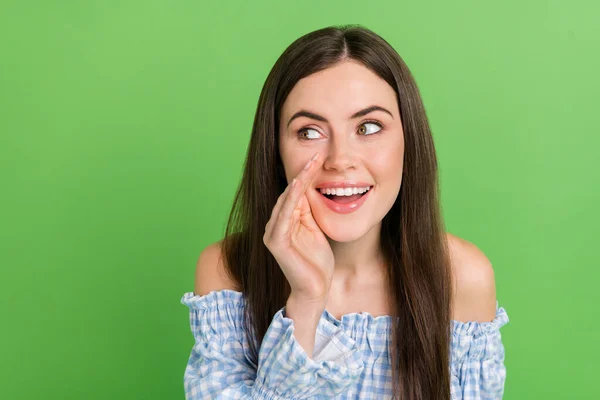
x,y
361,113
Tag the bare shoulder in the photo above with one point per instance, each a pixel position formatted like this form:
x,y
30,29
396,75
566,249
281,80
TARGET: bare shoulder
x,y
473,282
211,272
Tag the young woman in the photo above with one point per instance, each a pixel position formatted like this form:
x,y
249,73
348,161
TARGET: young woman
x,y
335,277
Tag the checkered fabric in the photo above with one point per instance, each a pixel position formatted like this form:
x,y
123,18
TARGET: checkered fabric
x,y
350,358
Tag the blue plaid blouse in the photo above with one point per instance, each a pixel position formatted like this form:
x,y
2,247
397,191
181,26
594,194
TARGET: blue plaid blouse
x,y
350,358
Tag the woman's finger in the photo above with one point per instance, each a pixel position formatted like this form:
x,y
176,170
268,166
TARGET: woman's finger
x,y
303,181
306,217
276,209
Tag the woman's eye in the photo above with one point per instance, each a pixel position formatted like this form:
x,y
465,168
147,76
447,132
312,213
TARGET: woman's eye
x,y
305,130
363,131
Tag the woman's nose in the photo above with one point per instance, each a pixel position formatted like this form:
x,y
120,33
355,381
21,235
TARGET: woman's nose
x,y
339,155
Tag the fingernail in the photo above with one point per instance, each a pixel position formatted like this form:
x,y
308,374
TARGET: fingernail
x,y
314,157
307,166
293,182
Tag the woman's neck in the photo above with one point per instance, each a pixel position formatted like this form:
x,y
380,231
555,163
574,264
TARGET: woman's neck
x,y
360,258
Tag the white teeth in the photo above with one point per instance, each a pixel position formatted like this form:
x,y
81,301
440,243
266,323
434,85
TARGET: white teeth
x,y
344,191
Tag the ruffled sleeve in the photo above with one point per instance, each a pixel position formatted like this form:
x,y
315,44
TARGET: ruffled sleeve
x,y
219,365
477,359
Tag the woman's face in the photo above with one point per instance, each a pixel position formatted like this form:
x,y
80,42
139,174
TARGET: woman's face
x,y
354,149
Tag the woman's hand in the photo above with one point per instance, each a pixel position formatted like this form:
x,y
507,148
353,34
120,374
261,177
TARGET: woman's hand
x,y
296,241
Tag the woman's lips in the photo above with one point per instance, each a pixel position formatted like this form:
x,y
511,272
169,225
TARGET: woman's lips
x,y
347,208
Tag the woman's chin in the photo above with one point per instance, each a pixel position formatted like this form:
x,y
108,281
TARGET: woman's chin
x,y
339,232
337,227
342,237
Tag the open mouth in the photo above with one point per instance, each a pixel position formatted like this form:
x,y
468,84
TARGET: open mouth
x,y
344,199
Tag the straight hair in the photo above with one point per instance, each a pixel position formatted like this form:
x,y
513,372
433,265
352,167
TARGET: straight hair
x,y
413,238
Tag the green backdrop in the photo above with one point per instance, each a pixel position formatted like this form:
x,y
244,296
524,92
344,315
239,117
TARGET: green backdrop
x,y
123,130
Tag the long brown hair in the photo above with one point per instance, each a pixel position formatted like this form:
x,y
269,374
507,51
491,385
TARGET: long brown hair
x,y
413,237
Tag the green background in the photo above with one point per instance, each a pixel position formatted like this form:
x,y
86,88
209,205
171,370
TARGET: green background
x,y
123,130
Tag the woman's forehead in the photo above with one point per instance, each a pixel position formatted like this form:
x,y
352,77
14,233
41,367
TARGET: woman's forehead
x,y
339,91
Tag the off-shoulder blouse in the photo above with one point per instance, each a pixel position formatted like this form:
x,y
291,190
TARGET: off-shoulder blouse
x,y
350,358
